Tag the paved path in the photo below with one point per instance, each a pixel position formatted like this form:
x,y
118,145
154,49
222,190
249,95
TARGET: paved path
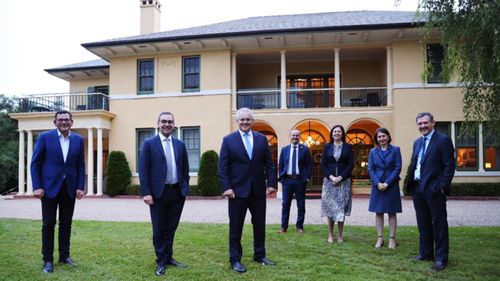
x,y
460,212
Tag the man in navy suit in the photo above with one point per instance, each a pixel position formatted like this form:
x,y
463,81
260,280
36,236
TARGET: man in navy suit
x,y
164,177
58,175
244,165
431,171
294,172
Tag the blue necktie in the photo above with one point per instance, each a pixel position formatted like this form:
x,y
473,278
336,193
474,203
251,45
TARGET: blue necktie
x,y
294,160
248,145
422,149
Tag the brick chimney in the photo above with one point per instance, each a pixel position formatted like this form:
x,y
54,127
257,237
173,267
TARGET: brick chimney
x,y
150,16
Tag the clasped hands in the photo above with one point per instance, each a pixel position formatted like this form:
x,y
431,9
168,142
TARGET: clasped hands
x,y
335,180
230,192
382,186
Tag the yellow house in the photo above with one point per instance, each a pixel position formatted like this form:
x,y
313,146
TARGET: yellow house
x,y
359,69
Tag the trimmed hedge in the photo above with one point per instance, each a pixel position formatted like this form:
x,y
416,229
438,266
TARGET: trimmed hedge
x,y
475,189
208,179
118,175
133,189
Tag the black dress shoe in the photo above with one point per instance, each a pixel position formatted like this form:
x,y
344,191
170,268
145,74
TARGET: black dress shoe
x,y
48,267
423,258
439,265
265,261
176,263
238,267
160,270
68,261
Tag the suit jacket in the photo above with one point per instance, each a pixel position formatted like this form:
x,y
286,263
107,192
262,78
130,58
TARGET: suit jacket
x,y
343,167
384,169
304,159
238,172
48,169
437,165
153,167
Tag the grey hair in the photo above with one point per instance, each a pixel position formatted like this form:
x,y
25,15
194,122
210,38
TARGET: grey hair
x,y
165,113
422,114
243,110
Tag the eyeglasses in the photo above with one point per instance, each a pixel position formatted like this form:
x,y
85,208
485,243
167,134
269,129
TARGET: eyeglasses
x,y
167,121
63,120
245,119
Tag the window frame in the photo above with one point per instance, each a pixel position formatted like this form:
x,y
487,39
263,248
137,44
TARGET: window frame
x,y
184,74
457,146
138,144
497,168
198,149
139,77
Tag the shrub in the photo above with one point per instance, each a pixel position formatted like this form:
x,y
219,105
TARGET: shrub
x,y
208,179
133,189
475,189
117,173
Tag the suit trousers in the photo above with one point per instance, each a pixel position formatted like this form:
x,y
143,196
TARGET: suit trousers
x,y
291,187
165,216
237,211
66,206
432,225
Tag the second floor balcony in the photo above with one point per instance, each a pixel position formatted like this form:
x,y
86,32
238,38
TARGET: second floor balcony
x,y
312,98
67,101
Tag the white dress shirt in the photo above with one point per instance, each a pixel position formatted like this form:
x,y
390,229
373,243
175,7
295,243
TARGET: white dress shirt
x,y
64,141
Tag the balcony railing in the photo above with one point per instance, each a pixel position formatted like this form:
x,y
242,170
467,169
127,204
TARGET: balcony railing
x,y
259,98
70,102
312,98
373,96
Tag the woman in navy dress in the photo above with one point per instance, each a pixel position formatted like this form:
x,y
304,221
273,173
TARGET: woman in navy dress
x,y
384,166
337,163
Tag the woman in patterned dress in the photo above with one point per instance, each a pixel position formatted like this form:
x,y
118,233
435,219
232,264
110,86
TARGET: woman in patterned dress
x,y
337,163
384,166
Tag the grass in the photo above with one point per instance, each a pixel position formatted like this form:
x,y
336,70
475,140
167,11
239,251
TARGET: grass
x,y
123,251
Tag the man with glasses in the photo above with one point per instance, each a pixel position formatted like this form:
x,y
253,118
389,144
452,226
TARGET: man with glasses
x,y
164,177
244,165
58,176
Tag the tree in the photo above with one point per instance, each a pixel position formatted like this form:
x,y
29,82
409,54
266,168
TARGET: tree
x,y
208,180
470,36
117,173
9,143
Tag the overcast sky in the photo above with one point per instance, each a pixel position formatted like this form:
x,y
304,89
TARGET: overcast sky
x,y
40,34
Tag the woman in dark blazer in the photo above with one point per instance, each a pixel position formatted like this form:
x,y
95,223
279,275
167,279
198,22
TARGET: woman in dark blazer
x,y
337,163
384,166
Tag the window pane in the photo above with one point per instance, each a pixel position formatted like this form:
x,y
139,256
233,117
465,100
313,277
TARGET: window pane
x,y
443,128
141,136
435,55
191,138
145,76
491,150
466,149
191,73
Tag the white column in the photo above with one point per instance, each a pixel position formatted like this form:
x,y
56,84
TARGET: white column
x,y
233,82
337,77
480,151
29,183
21,167
90,162
389,75
99,161
283,79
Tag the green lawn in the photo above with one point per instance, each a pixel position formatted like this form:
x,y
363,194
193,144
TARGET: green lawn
x,y
123,251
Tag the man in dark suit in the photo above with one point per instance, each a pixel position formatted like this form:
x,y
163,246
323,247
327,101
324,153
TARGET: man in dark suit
x,y
294,172
431,171
164,177
244,165
58,175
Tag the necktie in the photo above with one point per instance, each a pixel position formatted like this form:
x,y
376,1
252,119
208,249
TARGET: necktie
x,y
422,150
248,145
294,160
168,156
